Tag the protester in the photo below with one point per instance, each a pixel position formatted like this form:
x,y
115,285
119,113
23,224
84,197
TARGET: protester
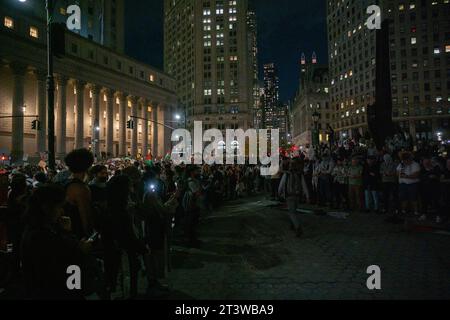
x,y
78,196
371,182
158,224
48,247
409,178
121,229
389,180
147,205
430,192
355,182
291,189
340,184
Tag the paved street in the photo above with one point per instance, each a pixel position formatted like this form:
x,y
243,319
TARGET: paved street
x,y
250,253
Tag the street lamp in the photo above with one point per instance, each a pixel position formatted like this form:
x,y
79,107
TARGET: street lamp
x,y
49,6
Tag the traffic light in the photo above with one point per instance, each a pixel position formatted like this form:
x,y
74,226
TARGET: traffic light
x,y
130,124
36,125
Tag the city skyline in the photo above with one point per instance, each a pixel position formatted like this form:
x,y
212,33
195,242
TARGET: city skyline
x,y
277,44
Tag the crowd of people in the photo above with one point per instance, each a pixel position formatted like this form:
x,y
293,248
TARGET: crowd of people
x,y
398,180
93,215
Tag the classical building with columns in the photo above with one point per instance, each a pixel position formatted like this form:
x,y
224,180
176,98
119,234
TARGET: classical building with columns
x,y
97,92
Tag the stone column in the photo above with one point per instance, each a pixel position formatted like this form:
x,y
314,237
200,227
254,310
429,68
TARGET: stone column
x,y
95,132
41,108
144,127
168,116
122,124
109,123
162,130
155,126
19,71
79,107
134,131
61,111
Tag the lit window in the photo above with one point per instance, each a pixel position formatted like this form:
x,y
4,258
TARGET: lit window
x,y
34,32
437,50
152,78
447,48
9,23
413,40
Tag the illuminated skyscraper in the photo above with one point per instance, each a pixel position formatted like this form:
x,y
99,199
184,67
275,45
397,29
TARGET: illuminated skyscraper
x,y
210,51
271,100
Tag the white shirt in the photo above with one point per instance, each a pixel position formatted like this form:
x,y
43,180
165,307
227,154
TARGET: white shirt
x,y
409,170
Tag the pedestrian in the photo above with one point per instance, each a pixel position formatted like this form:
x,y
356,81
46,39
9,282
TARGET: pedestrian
x,y
409,178
291,189
340,184
48,247
371,182
355,183
389,180
78,195
430,188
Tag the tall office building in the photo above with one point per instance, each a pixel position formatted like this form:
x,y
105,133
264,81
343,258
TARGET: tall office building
x,y
253,48
101,21
209,51
352,64
420,47
271,100
420,66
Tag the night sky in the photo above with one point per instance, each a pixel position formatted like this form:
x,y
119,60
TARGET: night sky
x,y
286,28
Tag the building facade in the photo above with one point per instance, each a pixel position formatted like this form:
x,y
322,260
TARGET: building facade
x,y
351,64
420,59
97,92
101,21
271,97
312,97
253,43
208,52
420,66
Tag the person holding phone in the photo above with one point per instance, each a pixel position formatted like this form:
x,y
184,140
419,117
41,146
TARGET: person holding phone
x,y
49,247
158,219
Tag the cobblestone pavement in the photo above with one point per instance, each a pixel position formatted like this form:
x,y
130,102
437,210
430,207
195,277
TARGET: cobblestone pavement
x,y
249,252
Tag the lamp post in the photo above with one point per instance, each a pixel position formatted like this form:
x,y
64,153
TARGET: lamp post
x,y
315,134
49,6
